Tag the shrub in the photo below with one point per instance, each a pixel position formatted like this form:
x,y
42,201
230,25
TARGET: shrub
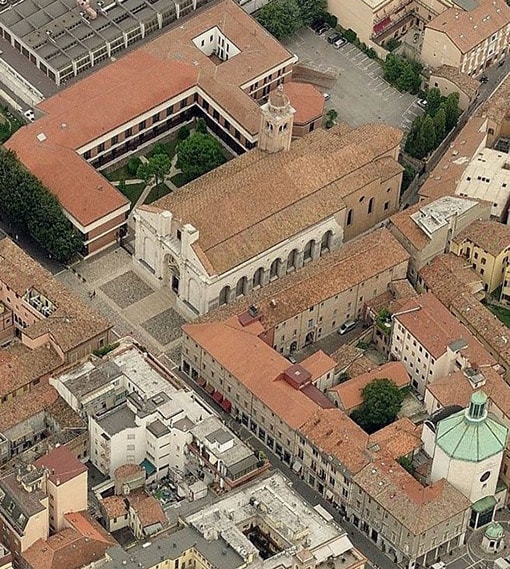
x,y
133,165
101,352
201,126
350,35
331,20
183,132
392,44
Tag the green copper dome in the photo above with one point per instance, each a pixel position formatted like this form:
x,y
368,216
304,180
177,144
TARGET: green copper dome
x,y
470,434
494,531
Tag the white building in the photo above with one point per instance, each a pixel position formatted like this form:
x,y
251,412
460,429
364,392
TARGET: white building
x,y
468,451
431,342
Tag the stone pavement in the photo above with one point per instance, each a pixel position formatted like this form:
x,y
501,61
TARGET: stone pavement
x,y
109,283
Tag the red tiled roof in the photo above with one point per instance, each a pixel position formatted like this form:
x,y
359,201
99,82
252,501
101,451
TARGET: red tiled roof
x,y
306,99
62,465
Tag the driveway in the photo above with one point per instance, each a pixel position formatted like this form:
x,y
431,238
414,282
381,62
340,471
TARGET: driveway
x,y
360,94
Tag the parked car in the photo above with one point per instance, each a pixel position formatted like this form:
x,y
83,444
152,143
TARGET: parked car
x,y
339,43
501,63
332,38
484,79
291,359
29,114
316,24
327,96
422,103
323,29
346,327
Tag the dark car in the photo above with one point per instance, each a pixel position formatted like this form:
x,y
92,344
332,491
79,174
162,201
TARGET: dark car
x,y
484,79
323,29
316,24
332,38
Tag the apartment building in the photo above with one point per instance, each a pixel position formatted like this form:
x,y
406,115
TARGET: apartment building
x,y
431,342
468,36
485,245
314,301
427,229
460,289
87,127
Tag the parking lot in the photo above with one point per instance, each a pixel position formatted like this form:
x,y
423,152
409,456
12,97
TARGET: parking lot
x,y
360,94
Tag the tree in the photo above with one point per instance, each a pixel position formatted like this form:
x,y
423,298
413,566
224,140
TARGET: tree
x,y
382,400
433,97
391,68
28,205
426,137
281,18
155,169
331,117
199,154
440,125
183,132
133,165
311,10
452,111
201,126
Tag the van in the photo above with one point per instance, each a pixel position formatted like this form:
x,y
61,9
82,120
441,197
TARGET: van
x,y
346,326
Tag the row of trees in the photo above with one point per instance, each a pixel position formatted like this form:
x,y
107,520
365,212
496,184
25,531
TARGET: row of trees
x,y
30,207
428,131
402,73
284,17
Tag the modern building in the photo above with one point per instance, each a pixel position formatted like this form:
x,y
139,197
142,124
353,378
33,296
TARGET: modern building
x,y
427,229
469,36
468,451
431,342
300,204
225,63
485,245
267,522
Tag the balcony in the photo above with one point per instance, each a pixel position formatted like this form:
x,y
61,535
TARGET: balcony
x,y
39,302
389,26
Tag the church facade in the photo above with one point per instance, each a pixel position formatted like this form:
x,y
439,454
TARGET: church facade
x,y
270,211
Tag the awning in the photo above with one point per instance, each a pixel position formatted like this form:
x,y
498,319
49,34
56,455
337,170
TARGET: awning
x,y
148,466
297,466
227,405
382,24
217,396
209,389
201,381
484,505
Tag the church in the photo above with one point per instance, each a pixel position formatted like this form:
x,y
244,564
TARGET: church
x,y
269,211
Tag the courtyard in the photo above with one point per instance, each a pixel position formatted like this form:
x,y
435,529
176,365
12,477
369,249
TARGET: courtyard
x,y
360,94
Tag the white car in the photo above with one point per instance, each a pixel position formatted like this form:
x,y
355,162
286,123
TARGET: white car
x,y
422,103
30,115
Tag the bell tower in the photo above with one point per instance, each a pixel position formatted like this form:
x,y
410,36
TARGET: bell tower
x,y
277,118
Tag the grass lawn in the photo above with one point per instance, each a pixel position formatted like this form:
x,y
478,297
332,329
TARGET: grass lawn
x,y
133,192
502,313
158,192
9,124
168,147
118,175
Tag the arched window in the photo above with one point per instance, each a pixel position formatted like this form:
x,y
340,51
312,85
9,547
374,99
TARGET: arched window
x,y
307,253
241,286
292,260
349,217
224,296
370,208
257,277
273,271
326,241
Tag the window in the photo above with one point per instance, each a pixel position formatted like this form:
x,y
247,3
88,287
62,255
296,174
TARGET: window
x,y
370,208
386,206
349,217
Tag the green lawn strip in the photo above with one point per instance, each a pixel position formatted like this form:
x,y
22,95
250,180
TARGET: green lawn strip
x,y
158,192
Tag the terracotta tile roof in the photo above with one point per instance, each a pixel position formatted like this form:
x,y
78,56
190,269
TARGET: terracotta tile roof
x,y
336,434
72,323
443,179
349,392
417,508
306,99
20,366
25,406
128,469
147,77
491,236
318,364
65,416
398,439
356,262
256,365
468,28
62,465
435,328
351,360
495,107
113,507
147,508
465,82
84,543
295,190
409,230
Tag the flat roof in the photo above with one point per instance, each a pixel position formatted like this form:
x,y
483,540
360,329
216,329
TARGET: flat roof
x,y
117,419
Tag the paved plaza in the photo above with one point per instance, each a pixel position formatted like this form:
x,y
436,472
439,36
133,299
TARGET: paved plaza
x,y
110,284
